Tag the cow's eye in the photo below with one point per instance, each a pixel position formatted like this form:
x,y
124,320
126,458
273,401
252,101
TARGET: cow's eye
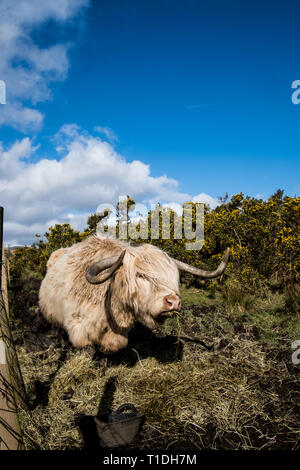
x,y
140,275
143,276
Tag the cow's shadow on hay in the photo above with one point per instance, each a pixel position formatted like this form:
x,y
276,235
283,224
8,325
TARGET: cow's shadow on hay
x,y
39,335
143,343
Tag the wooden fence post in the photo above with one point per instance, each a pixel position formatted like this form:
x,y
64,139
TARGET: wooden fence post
x,y
12,389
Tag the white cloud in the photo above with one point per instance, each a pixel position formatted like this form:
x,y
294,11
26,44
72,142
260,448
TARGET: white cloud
x,y
212,202
69,187
109,133
27,69
20,117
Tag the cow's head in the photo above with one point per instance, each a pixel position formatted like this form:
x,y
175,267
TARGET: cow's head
x,y
145,281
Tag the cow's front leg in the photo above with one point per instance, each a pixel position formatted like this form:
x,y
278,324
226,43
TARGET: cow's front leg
x,y
111,342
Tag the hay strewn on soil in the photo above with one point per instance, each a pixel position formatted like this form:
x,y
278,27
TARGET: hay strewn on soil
x,y
242,394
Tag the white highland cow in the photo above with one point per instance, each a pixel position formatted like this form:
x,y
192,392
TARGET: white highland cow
x,y
98,288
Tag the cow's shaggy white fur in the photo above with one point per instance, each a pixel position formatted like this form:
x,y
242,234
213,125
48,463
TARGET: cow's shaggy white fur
x,y
103,314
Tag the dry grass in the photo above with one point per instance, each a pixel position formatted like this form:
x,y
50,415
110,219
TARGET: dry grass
x,y
241,395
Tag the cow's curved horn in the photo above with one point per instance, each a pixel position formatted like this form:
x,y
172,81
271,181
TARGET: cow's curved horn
x,y
201,272
103,269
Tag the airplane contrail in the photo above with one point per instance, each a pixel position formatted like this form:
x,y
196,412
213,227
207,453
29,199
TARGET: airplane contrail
x,y
205,105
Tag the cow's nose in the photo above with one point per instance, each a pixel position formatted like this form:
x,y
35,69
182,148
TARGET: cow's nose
x,y
172,302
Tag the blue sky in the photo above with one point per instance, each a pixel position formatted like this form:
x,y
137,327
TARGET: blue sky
x,y
199,91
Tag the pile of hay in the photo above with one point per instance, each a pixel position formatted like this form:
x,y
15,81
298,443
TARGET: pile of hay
x,y
238,395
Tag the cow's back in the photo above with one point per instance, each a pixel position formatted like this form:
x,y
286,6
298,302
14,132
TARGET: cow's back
x,y
52,291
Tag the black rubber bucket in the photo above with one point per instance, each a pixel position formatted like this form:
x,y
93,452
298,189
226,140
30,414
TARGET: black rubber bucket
x,y
112,430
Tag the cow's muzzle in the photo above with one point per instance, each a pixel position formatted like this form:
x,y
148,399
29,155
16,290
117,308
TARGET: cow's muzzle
x,y
172,302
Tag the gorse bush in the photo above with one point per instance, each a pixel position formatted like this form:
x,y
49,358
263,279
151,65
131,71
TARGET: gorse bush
x,y
264,238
